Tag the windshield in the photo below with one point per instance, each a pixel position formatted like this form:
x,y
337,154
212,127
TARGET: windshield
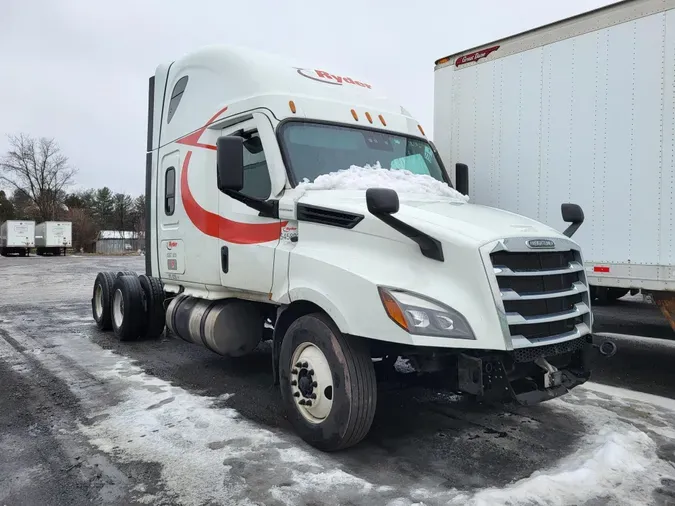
x,y
313,149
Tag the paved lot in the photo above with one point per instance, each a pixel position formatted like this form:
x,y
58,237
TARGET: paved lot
x,y
85,419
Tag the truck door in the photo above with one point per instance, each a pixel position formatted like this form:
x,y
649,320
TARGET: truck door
x,y
248,241
170,235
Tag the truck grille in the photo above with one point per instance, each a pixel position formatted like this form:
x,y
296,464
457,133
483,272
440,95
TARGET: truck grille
x,y
544,293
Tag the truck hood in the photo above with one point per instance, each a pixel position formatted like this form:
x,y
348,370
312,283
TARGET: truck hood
x,y
448,216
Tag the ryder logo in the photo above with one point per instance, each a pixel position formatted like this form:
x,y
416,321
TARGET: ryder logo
x,y
171,244
474,57
326,77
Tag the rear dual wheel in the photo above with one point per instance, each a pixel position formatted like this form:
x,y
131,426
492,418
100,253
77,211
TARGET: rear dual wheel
x,y
327,383
155,314
127,308
101,300
132,306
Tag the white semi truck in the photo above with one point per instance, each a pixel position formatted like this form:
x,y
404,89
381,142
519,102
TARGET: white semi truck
x,y
580,110
17,237
53,237
250,237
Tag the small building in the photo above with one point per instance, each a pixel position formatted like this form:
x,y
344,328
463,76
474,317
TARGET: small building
x,y
116,242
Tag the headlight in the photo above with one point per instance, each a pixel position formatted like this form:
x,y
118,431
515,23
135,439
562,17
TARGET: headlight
x,y
419,315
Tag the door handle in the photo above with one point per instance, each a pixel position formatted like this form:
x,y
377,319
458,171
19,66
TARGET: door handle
x,y
224,259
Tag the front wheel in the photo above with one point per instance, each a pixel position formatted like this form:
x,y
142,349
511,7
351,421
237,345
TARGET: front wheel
x,y
328,383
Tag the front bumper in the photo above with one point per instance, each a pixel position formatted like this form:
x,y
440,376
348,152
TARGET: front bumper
x,y
520,376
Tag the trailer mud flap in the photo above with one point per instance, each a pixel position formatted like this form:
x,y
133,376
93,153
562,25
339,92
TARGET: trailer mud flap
x,y
666,303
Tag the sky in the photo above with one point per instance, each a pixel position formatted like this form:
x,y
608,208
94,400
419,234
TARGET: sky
x,y
77,70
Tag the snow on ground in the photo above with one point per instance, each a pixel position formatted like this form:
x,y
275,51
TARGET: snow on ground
x,y
144,418
208,453
624,395
615,460
375,176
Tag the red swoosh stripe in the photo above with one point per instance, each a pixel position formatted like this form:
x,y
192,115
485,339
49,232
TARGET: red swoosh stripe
x,y
193,138
215,225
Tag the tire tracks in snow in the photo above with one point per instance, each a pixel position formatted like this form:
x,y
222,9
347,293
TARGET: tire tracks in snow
x,y
43,457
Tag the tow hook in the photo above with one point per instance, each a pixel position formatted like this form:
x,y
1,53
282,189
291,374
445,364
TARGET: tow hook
x,y
552,376
606,348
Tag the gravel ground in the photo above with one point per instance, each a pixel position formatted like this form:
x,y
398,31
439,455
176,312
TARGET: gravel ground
x,y
85,419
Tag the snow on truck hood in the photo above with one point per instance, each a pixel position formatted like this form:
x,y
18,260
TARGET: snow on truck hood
x,y
422,199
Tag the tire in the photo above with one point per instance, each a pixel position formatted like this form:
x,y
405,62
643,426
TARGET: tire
x,y
342,415
126,273
127,308
101,299
614,294
154,306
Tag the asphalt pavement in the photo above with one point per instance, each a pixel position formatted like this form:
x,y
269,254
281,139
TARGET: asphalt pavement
x,y
86,419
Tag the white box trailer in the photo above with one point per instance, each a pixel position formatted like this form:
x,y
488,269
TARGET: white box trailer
x,y
583,111
53,237
17,237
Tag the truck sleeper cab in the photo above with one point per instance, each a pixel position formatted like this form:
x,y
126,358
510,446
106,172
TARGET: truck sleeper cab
x,y
251,236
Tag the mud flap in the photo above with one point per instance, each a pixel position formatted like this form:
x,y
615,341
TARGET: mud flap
x,y
484,377
666,303
470,374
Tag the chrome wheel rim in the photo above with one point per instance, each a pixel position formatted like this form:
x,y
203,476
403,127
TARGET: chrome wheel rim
x,y
98,301
118,308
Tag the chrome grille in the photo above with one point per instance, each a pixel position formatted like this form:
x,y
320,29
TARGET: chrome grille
x,y
544,294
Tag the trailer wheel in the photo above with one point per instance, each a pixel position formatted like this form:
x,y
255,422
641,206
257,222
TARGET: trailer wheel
x,y
101,299
154,301
608,295
126,273
614,294
128,312
328,383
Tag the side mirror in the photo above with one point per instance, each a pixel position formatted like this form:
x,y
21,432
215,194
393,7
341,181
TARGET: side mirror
x,y
462,178
382,201
230,156
572,213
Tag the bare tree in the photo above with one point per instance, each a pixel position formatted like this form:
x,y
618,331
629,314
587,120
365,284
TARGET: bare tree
x,y
84,229
38,168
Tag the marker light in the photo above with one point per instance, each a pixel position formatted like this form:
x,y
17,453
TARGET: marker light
x,y
393,310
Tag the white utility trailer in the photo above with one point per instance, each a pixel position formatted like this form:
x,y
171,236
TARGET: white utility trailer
x,y
582,110
17,236
53,237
